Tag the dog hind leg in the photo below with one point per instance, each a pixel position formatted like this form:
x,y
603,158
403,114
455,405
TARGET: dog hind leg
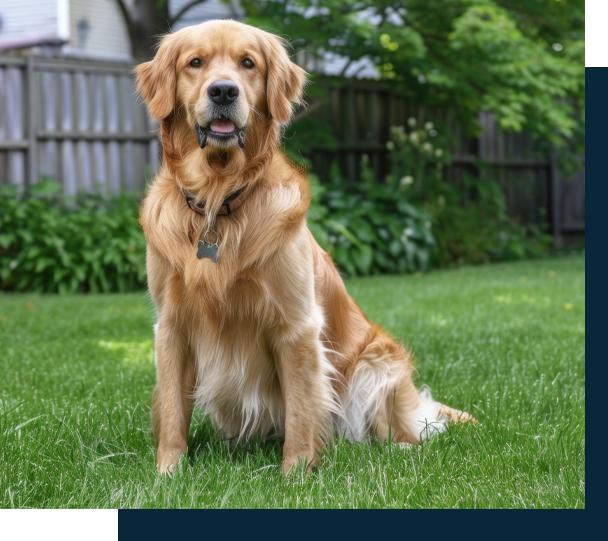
x,y
383,402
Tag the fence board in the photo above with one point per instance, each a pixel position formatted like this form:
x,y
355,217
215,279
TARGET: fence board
x,y
68,156
15,121
113,126
83,108
47,161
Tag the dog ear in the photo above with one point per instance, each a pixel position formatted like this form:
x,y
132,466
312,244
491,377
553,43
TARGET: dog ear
x,y
156,79
284,80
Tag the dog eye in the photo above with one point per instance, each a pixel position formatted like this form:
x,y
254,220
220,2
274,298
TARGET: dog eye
x,y
195,63
247,63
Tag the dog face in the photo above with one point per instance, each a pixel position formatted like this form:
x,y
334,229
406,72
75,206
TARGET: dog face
x,y
224,76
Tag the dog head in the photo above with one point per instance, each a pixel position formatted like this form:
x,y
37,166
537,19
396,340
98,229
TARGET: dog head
x,y
224,76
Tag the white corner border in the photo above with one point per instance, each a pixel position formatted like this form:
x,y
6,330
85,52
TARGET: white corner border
x,y
596,33
59,524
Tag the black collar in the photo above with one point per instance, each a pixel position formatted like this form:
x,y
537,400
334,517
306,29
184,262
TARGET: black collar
x,y
199,206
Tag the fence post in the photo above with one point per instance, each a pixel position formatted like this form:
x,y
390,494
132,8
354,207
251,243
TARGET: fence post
x,y
32,151
555,201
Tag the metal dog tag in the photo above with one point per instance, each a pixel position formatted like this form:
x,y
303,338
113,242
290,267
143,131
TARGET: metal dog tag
x,y
208,246
207,250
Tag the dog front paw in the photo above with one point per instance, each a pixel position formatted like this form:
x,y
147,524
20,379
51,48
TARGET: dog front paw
x,y
303,462
167,460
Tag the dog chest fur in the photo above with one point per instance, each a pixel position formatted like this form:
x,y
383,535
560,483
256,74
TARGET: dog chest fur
x,y
237,377
237,383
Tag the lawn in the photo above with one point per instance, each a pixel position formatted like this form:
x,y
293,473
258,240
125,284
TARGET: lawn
x,y
505,342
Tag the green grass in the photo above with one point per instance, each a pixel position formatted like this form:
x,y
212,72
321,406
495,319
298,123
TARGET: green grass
x,y
505,342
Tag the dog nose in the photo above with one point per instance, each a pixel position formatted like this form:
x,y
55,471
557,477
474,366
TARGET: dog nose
x,y
223,92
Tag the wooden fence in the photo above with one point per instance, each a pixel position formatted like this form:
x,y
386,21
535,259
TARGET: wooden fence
x,y
362,113
75,121
80,122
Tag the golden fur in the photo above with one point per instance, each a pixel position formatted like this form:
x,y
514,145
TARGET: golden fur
x,y
267,340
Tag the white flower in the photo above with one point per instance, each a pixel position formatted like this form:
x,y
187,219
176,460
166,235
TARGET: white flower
x,y
411,121
390,145
433,133
439,153
427,147
414,138
429,126
406,180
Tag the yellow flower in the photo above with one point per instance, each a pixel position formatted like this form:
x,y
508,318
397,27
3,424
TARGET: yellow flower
x,y
568,306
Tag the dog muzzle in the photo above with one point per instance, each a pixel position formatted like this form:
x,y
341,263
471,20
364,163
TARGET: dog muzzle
x,y
202,135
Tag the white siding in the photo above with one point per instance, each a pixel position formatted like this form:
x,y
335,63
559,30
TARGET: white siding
x,y
22,19
107,35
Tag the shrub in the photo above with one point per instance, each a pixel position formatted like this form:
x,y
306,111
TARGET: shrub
x,y
480,230
470,220
368,228
52,244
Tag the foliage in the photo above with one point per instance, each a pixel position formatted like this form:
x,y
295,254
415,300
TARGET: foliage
x,y
470,219
309,130
480,230
368,229
520,59
53,244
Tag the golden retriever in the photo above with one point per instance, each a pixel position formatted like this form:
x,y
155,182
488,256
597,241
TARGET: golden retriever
x,y
254,324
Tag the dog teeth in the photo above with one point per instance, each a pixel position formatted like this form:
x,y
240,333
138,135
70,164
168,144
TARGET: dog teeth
x,y
201,135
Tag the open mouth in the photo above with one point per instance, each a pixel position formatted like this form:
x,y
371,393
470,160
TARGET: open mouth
x,y
222,129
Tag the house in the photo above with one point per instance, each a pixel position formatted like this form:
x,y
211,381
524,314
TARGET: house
x,y
85,28
96,30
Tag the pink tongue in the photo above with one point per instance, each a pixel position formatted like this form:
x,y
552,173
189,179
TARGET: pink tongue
x,y
222,126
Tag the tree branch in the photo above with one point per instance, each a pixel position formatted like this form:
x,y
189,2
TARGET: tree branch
x,y
126,15
345,67
185,8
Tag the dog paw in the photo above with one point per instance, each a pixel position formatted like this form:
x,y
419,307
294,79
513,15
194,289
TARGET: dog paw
x,y
298,463
455,415
167,461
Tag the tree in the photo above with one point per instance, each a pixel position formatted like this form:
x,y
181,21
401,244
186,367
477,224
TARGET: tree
x,y
146,20
520,59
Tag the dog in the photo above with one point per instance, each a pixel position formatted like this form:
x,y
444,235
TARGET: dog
x,y
254,323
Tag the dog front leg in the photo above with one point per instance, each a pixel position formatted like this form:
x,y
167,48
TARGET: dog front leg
x,y
307,396
173,397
